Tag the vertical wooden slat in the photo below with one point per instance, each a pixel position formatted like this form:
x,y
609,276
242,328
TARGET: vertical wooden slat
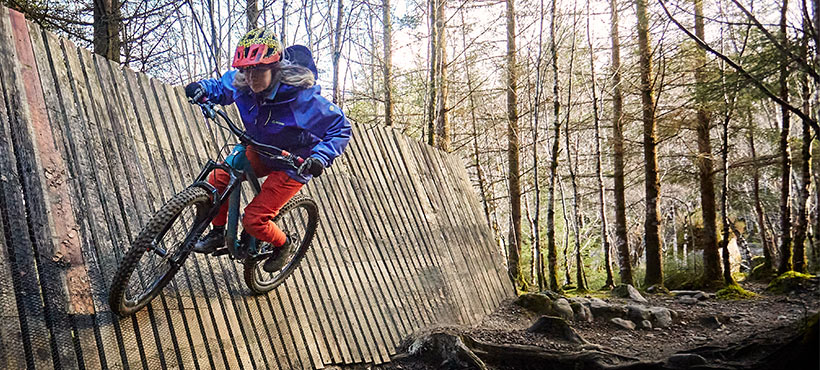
x,y
491,255
457,239
25,104
11,336
365,269
375,158
441,264
96,232
370,164
159,180
71,199
336,185
470,244
382,237
422,189
176,159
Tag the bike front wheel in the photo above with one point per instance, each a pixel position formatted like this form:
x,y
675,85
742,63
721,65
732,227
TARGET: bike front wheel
x,y
159,250
299,217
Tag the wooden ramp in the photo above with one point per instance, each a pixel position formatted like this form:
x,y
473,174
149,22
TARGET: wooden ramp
x,y
89,150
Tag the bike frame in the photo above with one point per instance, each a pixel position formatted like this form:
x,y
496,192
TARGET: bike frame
x,y
231,194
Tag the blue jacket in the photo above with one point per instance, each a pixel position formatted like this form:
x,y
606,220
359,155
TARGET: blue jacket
x,y
296,119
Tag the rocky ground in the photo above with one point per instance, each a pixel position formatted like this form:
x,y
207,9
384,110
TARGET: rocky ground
x,y
683,329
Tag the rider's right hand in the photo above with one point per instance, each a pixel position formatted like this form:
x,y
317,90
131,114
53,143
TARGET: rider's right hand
x,y
196,93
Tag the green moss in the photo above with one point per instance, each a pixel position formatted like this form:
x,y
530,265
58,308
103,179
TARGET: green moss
x,y
734,291
762,273
791,281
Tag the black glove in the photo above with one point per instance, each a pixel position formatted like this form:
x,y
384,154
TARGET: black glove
x,y
312,166
196,93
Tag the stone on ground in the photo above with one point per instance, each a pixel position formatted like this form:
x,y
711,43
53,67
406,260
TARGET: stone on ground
x,y
628,291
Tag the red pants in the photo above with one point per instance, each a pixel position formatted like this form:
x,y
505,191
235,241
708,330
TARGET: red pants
x,y
277,189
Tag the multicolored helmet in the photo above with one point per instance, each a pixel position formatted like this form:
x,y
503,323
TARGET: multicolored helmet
x,y
258,46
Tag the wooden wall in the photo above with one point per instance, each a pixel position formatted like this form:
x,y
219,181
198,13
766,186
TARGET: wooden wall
x,y
88,150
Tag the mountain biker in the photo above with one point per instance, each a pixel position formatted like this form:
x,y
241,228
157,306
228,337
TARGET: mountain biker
x,y
280,105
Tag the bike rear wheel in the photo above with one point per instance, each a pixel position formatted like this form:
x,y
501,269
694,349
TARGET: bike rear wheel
x,y
167,237
299,216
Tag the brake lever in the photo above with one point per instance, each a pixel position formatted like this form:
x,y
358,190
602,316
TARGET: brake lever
x,y
207,108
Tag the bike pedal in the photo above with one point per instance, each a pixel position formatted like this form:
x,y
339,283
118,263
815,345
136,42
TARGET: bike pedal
x,y
220,252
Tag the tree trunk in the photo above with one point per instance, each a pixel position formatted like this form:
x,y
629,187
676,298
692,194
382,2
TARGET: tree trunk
x,y
621,240
284,35
538,263
579,263
252,13
785,185
654,268
388,63
601,191
514,244
724,202
442,123
482,182
801,208
567,275
768,254
107,24
552,253
433,94
337,53
711,258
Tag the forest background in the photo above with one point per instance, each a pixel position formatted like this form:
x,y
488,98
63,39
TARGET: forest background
x,y
657,143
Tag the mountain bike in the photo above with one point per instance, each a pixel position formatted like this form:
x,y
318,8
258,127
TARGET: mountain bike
x,y
167,239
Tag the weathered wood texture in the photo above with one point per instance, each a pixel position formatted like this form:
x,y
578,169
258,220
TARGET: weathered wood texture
x,y
91,150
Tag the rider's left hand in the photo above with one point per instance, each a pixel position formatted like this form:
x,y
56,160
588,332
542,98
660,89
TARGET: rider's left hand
x,y
312,166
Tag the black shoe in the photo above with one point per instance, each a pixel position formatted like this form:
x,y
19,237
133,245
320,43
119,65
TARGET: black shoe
x,y
280,255
211,242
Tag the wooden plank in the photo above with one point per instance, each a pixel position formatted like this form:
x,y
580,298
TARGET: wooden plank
x,y
241,305
67,199
475,251
47,201
195,144
338,183
307,315
351,308
179,310
11,336
201,141
159,182
189,152
339,324
119,190
427,156
181,175
450,203
379,319
96,233
232,351
430,219
20,247
132,110
395,201
456,240
378,240
495,256
357,297
383,218
440,266
138,187
492,258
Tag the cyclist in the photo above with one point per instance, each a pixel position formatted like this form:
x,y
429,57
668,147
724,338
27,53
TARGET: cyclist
x,y
280,105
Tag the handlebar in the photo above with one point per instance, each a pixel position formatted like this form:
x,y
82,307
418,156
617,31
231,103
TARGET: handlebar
x,y
210,111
